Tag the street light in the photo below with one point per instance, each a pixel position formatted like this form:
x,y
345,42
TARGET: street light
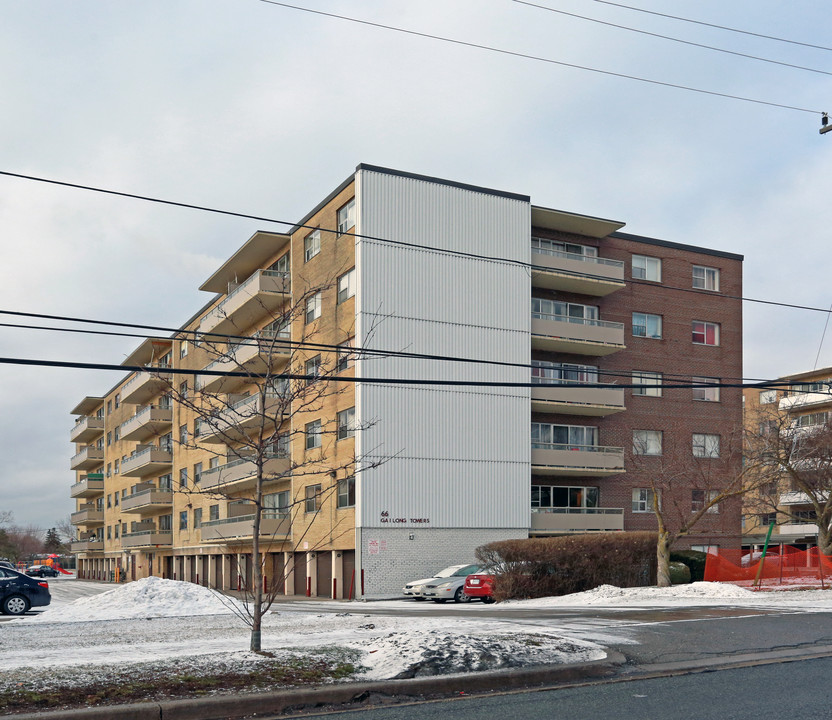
x,y
825,126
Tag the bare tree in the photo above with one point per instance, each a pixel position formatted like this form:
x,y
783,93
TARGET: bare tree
x,y
67,532
271,429
789,463
690,487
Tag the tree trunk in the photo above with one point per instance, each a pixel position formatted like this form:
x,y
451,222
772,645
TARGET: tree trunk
x,y
663,559
824,536
256,576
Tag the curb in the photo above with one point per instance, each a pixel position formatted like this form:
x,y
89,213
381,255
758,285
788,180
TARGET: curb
x,y
225,707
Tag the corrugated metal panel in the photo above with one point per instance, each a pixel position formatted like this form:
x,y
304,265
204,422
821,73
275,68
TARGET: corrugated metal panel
x,y
456,456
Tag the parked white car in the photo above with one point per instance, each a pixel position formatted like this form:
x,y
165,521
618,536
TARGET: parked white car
x,y
451,588
413,589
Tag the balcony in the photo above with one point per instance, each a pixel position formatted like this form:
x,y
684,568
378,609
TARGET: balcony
x,y
576,460
147,501
580,336
550,396
263,353
263,293
798,529
575,273
147,460
86,428
806,401
88,486
242,474
274,526
86,546
231,424
87,459
145,385
147,538
146,423
89,515
556,521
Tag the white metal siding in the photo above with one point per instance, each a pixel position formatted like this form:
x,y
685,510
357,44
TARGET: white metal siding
x,y
457,457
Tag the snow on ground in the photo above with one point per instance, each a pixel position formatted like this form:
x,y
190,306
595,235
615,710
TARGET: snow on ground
x,y
96,633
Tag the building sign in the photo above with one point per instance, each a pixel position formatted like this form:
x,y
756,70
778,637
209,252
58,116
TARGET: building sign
x,y
386,519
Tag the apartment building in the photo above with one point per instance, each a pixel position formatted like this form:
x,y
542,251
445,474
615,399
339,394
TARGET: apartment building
x,y
592,338
795,407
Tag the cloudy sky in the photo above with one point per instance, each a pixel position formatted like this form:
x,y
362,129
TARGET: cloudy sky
x,y
256,108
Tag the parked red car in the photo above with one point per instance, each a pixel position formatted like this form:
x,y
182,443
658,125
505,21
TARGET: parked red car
x,y
480,586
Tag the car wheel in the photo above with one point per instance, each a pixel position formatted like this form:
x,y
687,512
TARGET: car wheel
x,y
15,605
460,596
488,599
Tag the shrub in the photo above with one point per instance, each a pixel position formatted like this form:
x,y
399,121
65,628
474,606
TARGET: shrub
x,y
694,559
679,573
542,567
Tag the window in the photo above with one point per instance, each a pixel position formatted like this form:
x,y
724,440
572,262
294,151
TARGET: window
x,y
117,527
649,383
346,423
311,245
213,512
346,493
706,394
166,482
276,503
346,217
117,400
561,249
697,501
183,477
346,286
647,268
643,500
313,434
313,498
281,265
109,501
183,520
117,434
197,427
213,462
115,466
344,355
543,309
768,518
705,278
313,369
109,469
767,397
705,333
109,532
109,406
166,442
197,518
564,437
183,349
647,326
183,389
183,434
109,439
549,373
553,496
165,523
197,473
705,446
647,442
313,307
115,499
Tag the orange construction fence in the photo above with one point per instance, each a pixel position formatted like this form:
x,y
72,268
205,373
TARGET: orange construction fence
x,y
784,565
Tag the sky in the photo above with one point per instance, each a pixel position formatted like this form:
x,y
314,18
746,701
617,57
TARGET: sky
x,y
261,109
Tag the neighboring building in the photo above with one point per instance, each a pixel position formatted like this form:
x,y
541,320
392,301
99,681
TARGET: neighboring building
x,y
796,404
546,296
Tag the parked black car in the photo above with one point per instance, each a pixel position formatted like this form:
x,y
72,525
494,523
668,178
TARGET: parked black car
x,y
41,571
19,593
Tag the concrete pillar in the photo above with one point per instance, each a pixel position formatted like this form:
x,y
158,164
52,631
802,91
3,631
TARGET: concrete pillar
x,y
312,571
289,572
338,574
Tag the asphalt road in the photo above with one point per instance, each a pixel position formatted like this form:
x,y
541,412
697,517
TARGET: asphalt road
x,y
795,690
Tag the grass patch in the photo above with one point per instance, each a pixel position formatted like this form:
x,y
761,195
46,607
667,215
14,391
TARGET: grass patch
x,y
265,675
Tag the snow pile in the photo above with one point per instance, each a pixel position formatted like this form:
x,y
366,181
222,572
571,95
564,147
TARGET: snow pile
x,y
611,595
146,598
414,653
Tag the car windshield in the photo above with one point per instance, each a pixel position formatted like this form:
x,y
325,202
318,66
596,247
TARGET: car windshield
x,y
448,571
467,570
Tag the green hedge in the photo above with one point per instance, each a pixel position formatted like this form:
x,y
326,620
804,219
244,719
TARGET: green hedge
x,y
542,567
694,559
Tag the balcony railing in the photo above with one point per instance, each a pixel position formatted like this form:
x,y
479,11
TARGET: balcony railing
x,y
263,353
147,500
147,538
548,395
231,424
147,422
145,385
259,295
241,474
89,515
274,525
87,487
583,336
576,520
576,460
87,458
84,546
573,272
147,461
87,428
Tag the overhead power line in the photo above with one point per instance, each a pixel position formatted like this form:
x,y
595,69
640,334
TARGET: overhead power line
x,y
674,39
537,58
361,236
714,25
370,380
